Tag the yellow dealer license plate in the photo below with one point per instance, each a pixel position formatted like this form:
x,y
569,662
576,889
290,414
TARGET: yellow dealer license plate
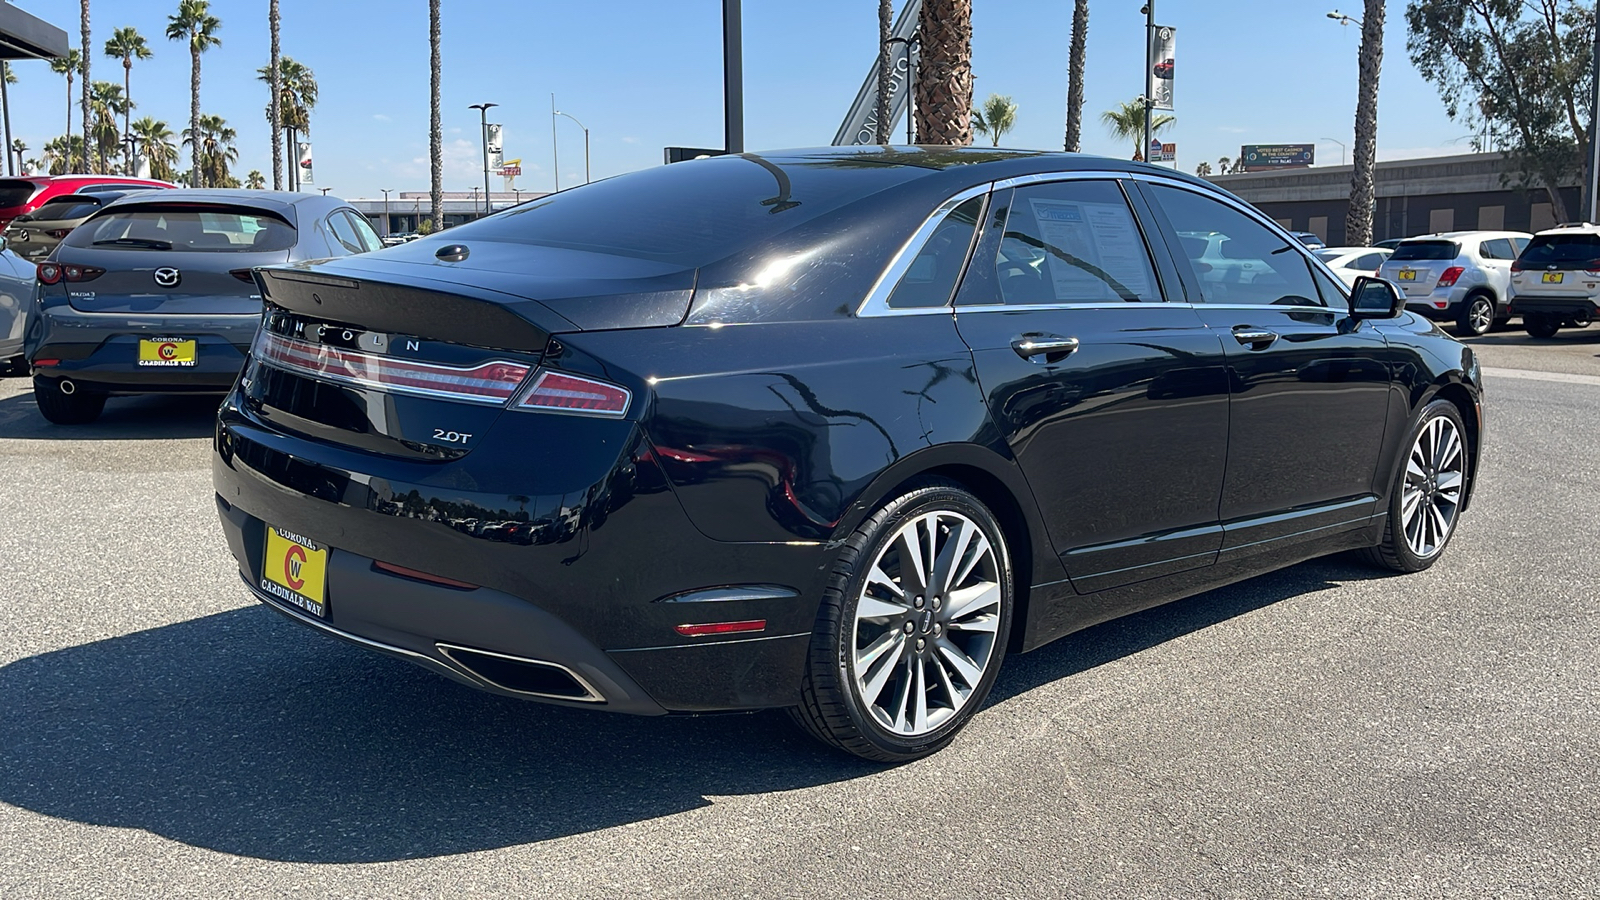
x,y
1408,274
167,351
294,569
1553,277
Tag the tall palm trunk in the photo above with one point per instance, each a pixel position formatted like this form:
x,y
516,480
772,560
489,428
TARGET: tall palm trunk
x,y
277,101
196,179
1075,52
84,8
435,127
885,67
67,138
1358,220
944,73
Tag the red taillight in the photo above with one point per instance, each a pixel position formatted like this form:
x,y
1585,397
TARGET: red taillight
x,y
243,275
59,233
49,273
1516,264
1592,267
721,628
81,273
560,392
404,572
1448,279
491,382
43,363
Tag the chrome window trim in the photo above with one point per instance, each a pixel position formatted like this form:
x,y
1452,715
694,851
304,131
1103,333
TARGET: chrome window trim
x,y
876,302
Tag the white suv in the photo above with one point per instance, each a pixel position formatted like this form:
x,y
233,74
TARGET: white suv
x,y
1462,277
1555,283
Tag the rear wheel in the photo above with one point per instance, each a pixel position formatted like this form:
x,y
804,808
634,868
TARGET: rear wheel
x,y
912,628
1476,316
1425,498
63,403
1540,325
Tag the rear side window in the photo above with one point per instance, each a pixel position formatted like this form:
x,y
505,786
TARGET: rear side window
x,y
1073,242
931,278
219,229
368,237
1368,263
1499,248
65,208
1425,251
14,192
345,232
1557,249
1234,258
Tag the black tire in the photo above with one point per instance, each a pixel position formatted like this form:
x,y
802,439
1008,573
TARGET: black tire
x,y
1476,316
1541,326
58,407
1394,552
832,709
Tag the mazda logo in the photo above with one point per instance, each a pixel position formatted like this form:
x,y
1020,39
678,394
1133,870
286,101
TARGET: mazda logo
x,y
167,276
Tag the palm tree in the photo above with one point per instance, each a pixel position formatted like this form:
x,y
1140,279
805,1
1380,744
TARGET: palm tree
x,y
20,149
1203,169
195,24
68,66
105,104
998,116
885,70
435,128
274,109
83,84
1358,219
65,155
1224,165
1075,57
127,44
212,145
7,77
255,181
297,94
944,73
32,167
155,139
1126,122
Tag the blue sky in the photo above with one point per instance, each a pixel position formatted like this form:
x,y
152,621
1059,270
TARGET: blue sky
x,y
643,75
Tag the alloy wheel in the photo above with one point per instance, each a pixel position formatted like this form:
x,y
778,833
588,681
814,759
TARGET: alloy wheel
x,y
1480,315
1431,496
926,623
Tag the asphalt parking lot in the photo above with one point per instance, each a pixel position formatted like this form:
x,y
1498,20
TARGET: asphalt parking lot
x,y
1322,731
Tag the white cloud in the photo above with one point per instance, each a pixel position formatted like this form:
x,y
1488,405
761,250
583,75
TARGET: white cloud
x,y
381,117
1231,130
630,139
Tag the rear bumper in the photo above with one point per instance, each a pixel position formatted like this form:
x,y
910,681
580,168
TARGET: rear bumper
x,y
580,589
100,351
1556,306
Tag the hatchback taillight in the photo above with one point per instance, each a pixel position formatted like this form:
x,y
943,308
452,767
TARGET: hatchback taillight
x,y
81,273
560,392
243,274
49,273
1516,264
1448,279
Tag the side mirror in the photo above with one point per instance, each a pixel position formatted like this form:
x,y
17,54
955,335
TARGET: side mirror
x,y
1374,298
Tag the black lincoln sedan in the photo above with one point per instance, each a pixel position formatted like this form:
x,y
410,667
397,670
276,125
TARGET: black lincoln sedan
x,y
827,430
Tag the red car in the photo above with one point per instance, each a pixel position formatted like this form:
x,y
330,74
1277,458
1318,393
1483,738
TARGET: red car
x,y
28,192
1164,69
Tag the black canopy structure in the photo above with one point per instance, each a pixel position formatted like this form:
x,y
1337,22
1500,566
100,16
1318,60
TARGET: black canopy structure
x,y
26,36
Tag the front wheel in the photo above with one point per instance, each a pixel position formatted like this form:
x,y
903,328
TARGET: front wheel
x,y
1541,326
1426,495
1476,317
912,628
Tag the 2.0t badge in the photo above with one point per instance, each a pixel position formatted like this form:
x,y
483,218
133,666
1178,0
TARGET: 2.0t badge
x,y
167,276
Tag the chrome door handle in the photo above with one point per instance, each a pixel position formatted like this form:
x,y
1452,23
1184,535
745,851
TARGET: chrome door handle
x,y
1254,336
1029,346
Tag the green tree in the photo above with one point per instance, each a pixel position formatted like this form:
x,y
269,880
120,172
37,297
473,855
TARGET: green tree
x,y
1126,123
68,65
212,145
1224,165
1075,63
65,155
127,44
255,181
106,102
1203,169
944,73
997,116
1518,67
155,142
1364,153
195,24
297,94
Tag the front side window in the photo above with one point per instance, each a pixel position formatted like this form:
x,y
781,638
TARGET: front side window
x,y
1073,242
931,278
1234,258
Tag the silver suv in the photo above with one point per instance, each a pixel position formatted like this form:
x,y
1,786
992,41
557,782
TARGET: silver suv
x,y
1462,277
1555,283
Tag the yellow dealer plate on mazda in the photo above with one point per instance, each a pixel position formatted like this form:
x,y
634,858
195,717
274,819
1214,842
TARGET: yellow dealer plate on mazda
x,y
1553,277
295,569
167,351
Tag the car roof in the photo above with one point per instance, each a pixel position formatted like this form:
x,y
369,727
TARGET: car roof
x,y
971,163
1459,235
290,204
1574,228
1350,251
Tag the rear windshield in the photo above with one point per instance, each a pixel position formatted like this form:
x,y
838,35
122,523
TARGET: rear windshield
x,y
221,230
690,213
1561,248
15,193
65,208
1425,250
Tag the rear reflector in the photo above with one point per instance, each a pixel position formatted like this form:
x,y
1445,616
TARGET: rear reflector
x,y
560,392
721,628
404,572
47,362
491,382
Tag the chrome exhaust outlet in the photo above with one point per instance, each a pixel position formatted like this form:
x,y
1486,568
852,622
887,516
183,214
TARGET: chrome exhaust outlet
x,y
67,387
519,675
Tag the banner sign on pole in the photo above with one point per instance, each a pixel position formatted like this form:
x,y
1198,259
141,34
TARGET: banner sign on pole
x,y
1163,50
305,163
495,156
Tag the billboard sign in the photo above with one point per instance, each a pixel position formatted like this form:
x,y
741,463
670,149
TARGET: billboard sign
x,y
861,123
1163,51
1160,152
1266,157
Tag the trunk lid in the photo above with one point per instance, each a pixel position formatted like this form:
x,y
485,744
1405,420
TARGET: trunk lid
x,y
1563,264
205,284
1416,265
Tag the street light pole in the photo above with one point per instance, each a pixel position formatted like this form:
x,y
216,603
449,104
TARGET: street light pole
x,y
911,84
386,210
1149,66
325,190
483,120
555,152
585,143
1341,148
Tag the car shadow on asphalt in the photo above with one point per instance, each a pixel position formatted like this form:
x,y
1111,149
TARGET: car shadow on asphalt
x,y
243,733
152,417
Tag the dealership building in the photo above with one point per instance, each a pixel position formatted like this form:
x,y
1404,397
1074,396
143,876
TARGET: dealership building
x,y
402,212
1414,196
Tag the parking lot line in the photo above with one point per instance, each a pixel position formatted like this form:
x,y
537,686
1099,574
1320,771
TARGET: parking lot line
x,y
1533,375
